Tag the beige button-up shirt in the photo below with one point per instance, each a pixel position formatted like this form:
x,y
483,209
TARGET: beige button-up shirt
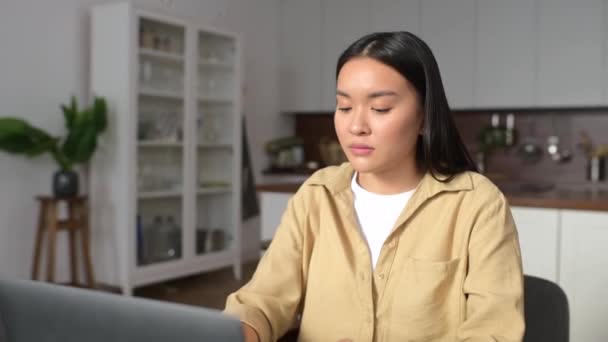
x,y
449,271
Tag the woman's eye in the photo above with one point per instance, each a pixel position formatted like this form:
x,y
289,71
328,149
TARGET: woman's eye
x,y
344,109
382,110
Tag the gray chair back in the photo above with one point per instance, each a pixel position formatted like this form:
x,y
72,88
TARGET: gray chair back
x,y
546,310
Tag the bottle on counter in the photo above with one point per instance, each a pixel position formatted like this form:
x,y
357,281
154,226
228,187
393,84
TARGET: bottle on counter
x,y
510,134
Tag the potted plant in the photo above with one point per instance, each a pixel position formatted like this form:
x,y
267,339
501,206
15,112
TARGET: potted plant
x,y
17,136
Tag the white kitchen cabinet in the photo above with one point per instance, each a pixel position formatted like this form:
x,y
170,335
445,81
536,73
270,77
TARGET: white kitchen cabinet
x,y
571,56
300,55
584,273
448,27
343,22
538,230
506,54
396,15
165,181
272,207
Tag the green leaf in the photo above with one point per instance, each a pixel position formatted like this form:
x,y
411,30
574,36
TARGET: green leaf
x,y
77,146
100,110
83,127
19,137
80,145
70,113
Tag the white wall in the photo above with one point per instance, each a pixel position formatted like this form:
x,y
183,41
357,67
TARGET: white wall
x,y
44,59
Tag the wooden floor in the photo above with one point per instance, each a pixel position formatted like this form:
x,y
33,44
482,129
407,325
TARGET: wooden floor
x,y
208,289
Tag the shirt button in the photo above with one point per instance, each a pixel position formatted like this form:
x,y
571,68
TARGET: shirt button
x,y
381,276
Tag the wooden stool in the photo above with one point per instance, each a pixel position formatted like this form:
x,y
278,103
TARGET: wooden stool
x,y
48,221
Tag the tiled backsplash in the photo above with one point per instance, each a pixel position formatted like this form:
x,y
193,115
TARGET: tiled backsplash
x,y
537,126
566,124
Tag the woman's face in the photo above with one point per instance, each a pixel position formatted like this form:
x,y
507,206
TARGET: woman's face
x,y
378,117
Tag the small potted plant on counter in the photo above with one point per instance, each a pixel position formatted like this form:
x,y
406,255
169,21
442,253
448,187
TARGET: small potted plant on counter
x,y
17,136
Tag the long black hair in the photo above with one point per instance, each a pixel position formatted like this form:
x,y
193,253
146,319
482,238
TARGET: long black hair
x,y
439,149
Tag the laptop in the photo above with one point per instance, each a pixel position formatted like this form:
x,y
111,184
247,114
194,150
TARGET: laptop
x,y
35,311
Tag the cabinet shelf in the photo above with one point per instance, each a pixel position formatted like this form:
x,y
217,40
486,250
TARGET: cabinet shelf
x,y
213,64
226,146
214,99
161,55
214,190
159,93
155,144
159,194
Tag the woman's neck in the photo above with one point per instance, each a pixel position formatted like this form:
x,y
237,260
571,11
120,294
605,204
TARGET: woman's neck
x,y
389,182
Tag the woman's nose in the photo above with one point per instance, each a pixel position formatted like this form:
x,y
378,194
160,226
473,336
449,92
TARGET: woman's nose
x,y
358,124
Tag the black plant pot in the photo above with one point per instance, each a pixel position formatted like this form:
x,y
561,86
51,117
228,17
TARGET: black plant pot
x,y
65,183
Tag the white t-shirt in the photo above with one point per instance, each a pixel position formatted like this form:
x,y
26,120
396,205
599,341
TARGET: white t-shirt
x,y
377,215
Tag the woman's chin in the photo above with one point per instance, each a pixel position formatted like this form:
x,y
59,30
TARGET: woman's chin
x,y
361,166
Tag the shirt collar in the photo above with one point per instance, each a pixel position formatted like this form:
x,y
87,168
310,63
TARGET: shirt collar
x,y
338,178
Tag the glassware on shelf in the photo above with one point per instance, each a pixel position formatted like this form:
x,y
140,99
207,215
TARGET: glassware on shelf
x,y
205,183
228,53
168,77
169,172
218,239
139,231
172,233
150,243
211,87
145,73
166,127
143,130
166,43
210,131
146,179
146,37
162,240
201,240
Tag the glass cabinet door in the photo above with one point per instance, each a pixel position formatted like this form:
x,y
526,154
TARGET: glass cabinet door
x,y
160,147
215,141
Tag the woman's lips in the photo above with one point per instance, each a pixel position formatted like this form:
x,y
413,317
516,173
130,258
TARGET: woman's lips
x,y
361,150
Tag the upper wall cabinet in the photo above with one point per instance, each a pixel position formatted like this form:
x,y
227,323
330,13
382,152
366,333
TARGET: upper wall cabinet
x,y
344,21
506,50
396,15
300,55
491,53
449,29
570,52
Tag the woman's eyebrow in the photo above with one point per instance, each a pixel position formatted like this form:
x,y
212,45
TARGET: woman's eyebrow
x,y
343,94
382,93
371,95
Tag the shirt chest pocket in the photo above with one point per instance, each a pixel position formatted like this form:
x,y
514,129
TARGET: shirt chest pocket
x,y
424,299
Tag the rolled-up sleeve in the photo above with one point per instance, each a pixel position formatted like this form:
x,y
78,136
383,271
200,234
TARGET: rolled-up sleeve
x,y
269,302
494,282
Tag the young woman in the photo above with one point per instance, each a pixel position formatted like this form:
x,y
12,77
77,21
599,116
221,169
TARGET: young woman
x,y
405,241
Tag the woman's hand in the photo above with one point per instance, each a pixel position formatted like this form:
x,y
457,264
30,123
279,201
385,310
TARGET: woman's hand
x,y
250,334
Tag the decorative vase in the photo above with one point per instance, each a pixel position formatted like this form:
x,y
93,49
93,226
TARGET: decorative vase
x,y
65,183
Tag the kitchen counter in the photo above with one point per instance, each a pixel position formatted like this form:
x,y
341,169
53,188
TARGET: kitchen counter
x,y
580,197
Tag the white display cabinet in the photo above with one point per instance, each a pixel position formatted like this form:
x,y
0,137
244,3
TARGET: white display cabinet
x,y
165,182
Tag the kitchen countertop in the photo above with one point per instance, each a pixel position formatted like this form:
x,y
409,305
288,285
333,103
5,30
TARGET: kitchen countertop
x,y
571,196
